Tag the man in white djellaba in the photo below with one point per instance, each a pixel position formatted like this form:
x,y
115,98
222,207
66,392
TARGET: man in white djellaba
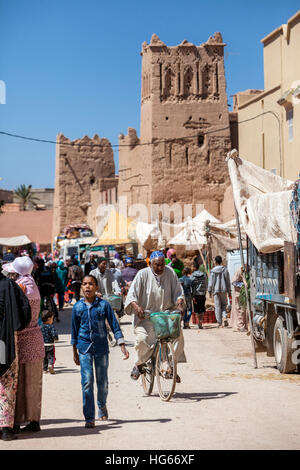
x,y
156,289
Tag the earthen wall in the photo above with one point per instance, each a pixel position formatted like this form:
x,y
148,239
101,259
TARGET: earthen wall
x,y
80,165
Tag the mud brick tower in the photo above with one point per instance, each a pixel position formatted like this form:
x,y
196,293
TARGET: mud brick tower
x,y
183,111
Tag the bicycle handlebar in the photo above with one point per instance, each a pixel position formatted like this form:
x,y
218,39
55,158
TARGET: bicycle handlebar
x,y
148,312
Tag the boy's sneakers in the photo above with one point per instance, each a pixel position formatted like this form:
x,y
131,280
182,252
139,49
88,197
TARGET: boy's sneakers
x,y
51,370
90,425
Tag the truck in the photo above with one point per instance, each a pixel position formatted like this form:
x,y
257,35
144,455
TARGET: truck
x,y
75,240
275,305
268,210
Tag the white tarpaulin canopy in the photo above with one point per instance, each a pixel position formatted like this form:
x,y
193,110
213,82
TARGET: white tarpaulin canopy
x,y
15,241
262,200
148,235
193,233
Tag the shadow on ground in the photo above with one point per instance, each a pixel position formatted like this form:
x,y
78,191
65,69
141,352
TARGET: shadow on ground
x,y
81,431
63,370
184,397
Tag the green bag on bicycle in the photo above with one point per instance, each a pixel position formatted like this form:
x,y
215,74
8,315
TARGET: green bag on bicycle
x,y
166,325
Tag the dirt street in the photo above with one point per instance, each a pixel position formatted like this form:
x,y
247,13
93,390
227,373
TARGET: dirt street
x,y
222,402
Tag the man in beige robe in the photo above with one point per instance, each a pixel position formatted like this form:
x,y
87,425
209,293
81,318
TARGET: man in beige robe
x,y
238,317
155,289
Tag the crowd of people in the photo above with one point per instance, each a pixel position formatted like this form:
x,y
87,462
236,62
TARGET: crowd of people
x,y
34,292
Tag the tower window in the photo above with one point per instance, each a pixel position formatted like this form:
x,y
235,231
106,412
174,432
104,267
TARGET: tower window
x,y
187,155
200,140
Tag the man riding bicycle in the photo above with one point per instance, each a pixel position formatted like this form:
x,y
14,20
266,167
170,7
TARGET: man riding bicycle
x,y
155,288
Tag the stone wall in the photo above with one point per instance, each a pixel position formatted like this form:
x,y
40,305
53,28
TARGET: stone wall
x,y
80,165
180,156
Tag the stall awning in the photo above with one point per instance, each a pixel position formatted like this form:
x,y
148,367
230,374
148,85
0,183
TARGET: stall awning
x,y
15,241
116,231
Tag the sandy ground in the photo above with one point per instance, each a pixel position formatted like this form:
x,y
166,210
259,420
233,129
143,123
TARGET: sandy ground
x,y
222,402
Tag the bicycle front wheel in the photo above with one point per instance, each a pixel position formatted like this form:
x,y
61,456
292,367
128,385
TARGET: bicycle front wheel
x,y
166,370
148,377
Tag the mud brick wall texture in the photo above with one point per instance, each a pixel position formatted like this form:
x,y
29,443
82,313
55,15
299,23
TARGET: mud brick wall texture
x,y
80,165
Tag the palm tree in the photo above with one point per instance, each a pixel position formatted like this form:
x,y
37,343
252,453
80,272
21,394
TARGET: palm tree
x,y
24,194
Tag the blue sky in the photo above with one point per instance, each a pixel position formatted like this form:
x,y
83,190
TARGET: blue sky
x,y
74,66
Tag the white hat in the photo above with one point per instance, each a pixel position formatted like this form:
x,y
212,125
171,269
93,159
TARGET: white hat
x,y
21,265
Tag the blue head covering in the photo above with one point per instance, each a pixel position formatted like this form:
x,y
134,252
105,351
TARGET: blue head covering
x,y
156,254
128,260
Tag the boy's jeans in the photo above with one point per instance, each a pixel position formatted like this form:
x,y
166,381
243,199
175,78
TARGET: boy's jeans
x,y
87,383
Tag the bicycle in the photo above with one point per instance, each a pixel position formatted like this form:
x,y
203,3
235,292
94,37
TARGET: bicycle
x,y
115,302
161,365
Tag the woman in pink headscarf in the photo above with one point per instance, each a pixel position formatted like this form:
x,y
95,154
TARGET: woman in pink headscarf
x,y
31,351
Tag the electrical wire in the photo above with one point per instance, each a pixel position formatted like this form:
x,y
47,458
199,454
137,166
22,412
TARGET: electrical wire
x,y
155,142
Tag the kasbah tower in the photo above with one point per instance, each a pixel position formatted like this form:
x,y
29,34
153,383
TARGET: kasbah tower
x,y
185,119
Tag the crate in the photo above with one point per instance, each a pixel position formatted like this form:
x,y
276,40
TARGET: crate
x,y
209,316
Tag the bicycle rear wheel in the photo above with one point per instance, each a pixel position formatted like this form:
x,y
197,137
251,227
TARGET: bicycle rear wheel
x,y
166,370
148,377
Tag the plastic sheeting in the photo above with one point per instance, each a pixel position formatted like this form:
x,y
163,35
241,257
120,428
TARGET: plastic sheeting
x,y
149,235
193,233
262,200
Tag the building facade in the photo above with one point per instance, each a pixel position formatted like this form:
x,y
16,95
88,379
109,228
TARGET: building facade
x,y
269,120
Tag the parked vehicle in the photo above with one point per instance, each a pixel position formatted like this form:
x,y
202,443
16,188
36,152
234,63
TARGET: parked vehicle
x,y
268,208
275,305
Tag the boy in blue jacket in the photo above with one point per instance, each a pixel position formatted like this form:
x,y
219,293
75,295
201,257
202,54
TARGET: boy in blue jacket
x,y
90,346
